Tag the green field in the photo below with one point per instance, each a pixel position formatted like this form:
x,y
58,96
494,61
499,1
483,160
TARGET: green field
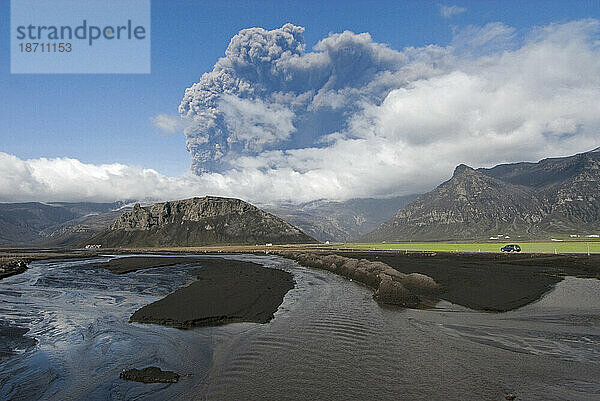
x,y
535,247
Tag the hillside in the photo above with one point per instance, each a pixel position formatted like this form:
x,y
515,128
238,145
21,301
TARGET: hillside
x,y
44,224
79,229
532,200
197,222
339,221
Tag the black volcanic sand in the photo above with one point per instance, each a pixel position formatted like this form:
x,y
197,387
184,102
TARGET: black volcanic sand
x,y
133,263
226,291
489,282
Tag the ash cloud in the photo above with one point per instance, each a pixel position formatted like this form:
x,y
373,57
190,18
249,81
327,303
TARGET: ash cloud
x,y
268,93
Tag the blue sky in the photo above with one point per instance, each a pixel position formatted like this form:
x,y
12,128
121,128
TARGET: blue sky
x,y
106,118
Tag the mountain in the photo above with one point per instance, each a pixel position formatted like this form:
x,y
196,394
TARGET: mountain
x,y
534,200
339,221
63,223
46,224
77,230
196,222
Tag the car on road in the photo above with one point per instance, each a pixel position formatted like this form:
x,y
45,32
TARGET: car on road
x,y
511,248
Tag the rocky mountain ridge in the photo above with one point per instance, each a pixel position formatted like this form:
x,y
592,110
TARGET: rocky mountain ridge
x,y
197,222
532,200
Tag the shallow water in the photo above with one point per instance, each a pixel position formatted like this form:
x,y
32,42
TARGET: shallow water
x,y
329,340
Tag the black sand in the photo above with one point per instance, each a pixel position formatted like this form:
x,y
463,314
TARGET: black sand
x,y
134,263
490,282
226,291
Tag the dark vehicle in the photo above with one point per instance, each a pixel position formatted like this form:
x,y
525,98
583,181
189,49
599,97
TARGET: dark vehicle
x,y
511,248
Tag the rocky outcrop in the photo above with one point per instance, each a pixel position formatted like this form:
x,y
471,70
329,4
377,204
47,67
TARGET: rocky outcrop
x,y
12,267
534,200
151,374
391,287
198,222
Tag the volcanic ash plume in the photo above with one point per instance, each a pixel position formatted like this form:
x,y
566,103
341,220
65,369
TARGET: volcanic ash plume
x,y
267,93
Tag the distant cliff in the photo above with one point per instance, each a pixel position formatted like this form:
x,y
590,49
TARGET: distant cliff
x,y
198,222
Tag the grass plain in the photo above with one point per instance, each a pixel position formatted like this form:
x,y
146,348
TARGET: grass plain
x,y
529,247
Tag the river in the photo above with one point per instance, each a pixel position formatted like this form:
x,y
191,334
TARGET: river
x,y
328,340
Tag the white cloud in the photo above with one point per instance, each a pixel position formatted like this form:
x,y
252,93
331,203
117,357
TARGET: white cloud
x,y
69,179
451,11
393,123
481,40
168,124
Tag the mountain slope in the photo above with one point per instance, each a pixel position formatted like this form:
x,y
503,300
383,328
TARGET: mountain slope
x,y
197,222
340,221
553,196
569,187
77,230
32,223
547,172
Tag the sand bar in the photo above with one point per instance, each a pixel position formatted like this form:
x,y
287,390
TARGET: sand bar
x,y
226,291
